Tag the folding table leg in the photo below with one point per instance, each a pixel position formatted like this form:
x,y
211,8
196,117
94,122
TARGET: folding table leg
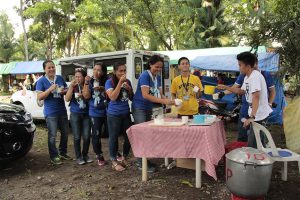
x,y
166,162
198,173
144,169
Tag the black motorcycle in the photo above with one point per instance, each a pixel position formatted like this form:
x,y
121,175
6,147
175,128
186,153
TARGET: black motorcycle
x,y
218,108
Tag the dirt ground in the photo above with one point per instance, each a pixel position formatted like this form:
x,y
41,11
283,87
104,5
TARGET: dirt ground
x,y
33,177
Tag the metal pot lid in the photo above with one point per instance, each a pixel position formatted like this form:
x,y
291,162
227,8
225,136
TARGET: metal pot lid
x,y
249,155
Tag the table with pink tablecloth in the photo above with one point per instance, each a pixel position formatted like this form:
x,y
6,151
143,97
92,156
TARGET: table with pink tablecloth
x,y
204,142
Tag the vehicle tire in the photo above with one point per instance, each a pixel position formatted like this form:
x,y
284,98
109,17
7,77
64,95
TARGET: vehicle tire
x,y
28,145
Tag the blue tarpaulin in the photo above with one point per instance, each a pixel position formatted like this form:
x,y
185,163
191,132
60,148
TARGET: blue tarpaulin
x,y
229,63
29,67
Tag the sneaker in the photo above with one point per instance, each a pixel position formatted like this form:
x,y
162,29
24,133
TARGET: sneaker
x,y
101,161
80,161
56,161
87,159
65,157
150,168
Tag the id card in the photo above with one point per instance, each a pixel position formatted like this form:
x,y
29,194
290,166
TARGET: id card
x,y
186,97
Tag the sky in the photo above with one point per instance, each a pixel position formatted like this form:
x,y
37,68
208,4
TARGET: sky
x,y
8,7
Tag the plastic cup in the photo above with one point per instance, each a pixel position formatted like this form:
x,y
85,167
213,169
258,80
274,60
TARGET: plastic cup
x,y
96,84
178,102
185,119
76,95
196,89
59,89
215,96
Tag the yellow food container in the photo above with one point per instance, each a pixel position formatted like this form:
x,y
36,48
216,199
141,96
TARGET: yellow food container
x,y
209,89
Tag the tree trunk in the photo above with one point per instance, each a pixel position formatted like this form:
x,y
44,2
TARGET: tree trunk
x,y
24,30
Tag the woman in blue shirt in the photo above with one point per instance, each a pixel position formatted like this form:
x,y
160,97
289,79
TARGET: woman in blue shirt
x,y
148,93
79,118
51,89
94,91
119,91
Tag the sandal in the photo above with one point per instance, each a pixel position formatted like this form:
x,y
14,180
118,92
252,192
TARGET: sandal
x,y
125,163
117,166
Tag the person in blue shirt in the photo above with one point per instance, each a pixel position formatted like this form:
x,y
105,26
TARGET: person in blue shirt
x,y
119,90
242,131
94,91
51,88
79,118
149,93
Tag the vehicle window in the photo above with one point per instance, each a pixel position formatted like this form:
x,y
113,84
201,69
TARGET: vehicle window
x,y
166,70
137,67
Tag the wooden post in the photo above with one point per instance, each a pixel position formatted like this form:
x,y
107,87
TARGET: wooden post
x,y
144,169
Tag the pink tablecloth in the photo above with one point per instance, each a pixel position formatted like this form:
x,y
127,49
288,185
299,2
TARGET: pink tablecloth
x,y
205,142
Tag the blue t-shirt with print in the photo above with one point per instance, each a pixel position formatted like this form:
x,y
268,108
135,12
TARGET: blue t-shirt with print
x,y
54,104
240,81
78,105
119,106
97,103
139,101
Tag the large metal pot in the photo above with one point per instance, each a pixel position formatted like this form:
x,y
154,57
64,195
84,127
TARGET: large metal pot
x,y
248,172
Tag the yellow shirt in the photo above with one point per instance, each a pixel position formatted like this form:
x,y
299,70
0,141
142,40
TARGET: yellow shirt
x,y
183,87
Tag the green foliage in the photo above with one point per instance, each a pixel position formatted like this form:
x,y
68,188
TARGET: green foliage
x,y
7,42
71,27
262,22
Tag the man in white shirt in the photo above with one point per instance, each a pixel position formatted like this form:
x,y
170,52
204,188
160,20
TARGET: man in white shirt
x,y
255,90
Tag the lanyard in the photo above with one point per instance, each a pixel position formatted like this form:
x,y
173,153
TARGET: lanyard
x,y
185,85
51,82
154,79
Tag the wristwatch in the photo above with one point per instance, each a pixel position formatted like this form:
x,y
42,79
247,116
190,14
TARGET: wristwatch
x,y
252,117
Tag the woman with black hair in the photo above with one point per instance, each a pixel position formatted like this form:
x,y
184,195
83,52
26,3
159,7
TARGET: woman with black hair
x,y
148,93
94,91
51,88
119,91
79,118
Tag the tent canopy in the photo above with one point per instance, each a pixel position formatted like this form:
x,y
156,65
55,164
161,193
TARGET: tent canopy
x,y
29,67
6,68
192,54
266,62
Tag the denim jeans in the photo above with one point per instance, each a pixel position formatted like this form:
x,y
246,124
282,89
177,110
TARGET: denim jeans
x,y
97,123
53,123
118,125
80,124
251,136
141,116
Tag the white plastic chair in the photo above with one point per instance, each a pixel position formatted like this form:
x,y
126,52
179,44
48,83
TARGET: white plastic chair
x,y
277,154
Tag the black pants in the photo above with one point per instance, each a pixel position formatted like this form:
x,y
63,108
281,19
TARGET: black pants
x,y
251,135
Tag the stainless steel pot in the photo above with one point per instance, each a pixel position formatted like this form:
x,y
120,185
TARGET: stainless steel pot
x,y
248,172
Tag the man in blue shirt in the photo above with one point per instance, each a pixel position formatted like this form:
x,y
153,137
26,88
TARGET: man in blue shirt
x,y
51,89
